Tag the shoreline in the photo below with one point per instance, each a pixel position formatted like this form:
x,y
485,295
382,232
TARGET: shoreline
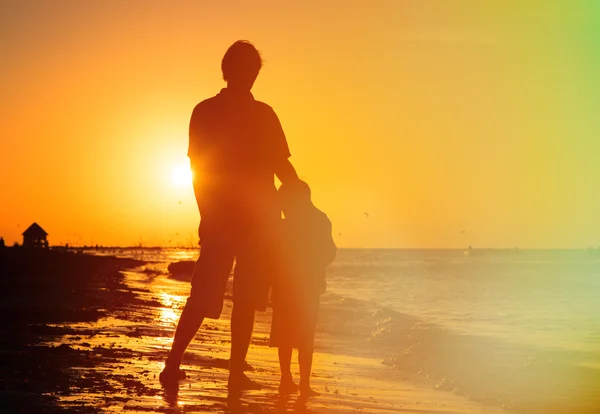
x,y
98,341
92,336
41,291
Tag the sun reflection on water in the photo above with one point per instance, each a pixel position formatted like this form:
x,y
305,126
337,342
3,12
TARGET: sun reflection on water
x,y
169,312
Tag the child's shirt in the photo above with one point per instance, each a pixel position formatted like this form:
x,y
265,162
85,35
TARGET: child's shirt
x,y
308,248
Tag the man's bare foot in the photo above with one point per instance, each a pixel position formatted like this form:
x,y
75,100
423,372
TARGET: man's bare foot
x,y
287,386
308,392
240,382
170,375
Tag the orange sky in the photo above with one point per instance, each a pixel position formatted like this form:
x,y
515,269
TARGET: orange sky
x,y
432,117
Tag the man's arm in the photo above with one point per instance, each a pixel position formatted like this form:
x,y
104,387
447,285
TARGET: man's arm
x,y
285,171
200,191
200,187
196,184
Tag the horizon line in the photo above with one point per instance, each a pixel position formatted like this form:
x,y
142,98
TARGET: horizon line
x,y
156,247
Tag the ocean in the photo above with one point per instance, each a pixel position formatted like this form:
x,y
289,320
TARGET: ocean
x,y
517,329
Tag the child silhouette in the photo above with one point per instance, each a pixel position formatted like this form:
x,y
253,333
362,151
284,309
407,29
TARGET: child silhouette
x,y
306,250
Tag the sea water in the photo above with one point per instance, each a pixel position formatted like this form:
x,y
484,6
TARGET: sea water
x,y
515,329
518,329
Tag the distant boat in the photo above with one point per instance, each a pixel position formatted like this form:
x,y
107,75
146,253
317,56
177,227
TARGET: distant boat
x,y
471,252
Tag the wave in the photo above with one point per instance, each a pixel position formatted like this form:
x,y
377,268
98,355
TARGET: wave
x,y
519,378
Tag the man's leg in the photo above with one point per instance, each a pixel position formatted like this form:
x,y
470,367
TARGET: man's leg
x,y
250,293
188,325
242,323
206,300
286,384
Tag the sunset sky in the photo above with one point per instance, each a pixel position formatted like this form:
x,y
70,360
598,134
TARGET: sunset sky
x,y
451,123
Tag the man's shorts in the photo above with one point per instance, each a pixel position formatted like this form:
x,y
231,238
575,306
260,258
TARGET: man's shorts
x,y
253,258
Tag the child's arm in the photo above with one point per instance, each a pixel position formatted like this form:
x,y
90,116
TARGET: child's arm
x,y
330,249
327,248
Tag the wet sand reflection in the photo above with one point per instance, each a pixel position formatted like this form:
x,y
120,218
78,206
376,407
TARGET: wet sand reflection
x,y
117,360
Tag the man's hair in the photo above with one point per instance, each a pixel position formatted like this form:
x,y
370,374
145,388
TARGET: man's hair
x,y
242,59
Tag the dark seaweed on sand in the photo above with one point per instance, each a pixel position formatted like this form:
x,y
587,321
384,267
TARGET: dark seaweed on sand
x,y
39,287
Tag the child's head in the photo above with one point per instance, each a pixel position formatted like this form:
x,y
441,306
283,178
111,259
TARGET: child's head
x,y
294,198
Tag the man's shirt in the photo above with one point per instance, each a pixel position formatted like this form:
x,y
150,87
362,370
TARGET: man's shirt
x,y
235,144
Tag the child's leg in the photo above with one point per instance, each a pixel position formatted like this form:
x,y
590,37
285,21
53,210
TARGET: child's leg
x,y
287,384
285,362
305,358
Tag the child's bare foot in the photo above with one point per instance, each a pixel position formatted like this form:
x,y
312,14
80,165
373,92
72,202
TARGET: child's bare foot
x,y
308,392
287,386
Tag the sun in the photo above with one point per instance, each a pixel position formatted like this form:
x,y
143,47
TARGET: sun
x,y
181,176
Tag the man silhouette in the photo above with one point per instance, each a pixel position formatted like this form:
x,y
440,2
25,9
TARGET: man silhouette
x,y
236,147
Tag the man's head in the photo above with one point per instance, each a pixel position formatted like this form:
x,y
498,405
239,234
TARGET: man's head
x,y
241,64
294,198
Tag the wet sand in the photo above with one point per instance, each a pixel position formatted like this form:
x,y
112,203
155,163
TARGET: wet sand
x,y
99,347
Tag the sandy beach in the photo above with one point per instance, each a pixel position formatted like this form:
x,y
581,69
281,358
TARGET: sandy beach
x,y
109,361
